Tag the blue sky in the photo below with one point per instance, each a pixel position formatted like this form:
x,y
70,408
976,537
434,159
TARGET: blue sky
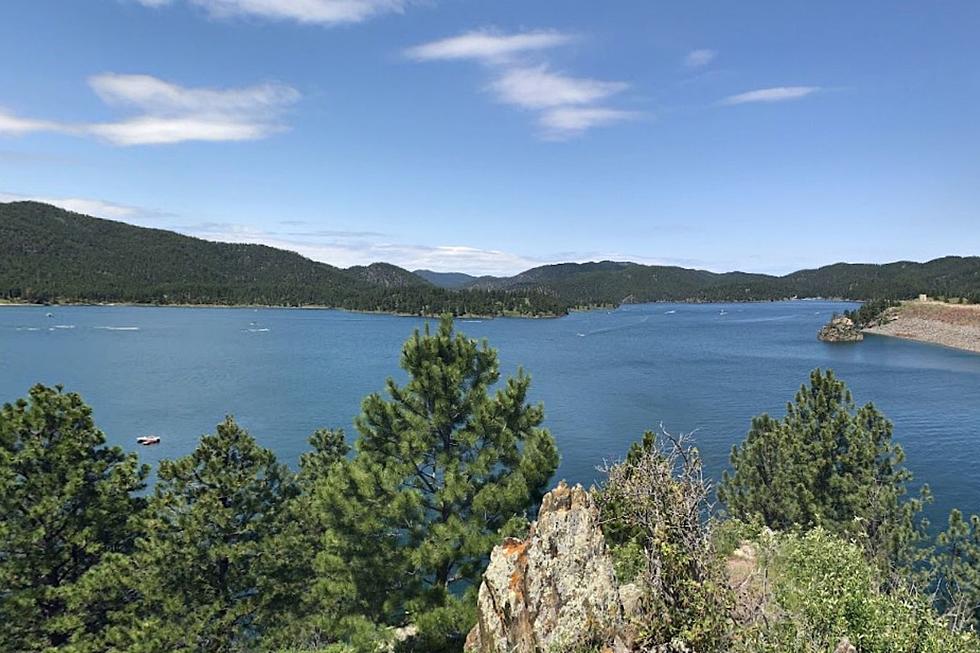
x,y
491,136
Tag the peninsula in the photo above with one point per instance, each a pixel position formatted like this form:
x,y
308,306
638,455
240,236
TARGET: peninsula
x,y
941,323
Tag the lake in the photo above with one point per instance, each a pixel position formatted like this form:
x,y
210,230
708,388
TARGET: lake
x,y
604,376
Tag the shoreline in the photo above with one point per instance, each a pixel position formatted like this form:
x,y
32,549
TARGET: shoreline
x,y
950,325
466,316
305,307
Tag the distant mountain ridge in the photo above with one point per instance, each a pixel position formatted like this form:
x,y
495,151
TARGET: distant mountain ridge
x,y
48,254
615,282
446,279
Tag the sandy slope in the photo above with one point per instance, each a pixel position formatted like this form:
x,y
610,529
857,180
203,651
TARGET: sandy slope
x,y
944,324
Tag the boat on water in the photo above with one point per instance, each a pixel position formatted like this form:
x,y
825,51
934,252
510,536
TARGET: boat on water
x,y
147,440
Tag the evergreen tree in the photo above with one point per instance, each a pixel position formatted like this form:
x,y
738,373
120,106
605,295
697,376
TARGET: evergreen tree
x,y
212,568
66,502
826,464
956,563
310,622
440,469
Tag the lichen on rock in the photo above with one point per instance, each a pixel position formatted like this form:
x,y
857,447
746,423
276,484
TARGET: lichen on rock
x,y
840,329
556,589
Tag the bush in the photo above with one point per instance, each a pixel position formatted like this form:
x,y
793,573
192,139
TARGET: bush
x,y
654,509
822,589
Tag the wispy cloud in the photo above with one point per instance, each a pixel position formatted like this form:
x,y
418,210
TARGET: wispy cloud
x,y
344,249
88,206
699,58
11,124
487,45
317,12
564,122
567,105
538,88
775,94
170,113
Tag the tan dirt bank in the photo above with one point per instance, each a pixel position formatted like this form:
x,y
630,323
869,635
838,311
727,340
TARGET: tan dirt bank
x,y
952,325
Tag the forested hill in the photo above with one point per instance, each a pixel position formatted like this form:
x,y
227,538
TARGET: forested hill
x,y
48,254
612,282
446,279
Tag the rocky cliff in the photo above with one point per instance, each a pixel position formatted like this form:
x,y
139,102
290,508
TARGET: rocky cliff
x,y
556,589
840,329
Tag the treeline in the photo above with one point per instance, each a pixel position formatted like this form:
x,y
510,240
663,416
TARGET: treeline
x,y
870,313
611,282
49,255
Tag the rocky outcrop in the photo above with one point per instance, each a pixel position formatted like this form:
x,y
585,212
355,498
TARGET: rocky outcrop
x,y
840,329
556,589
845,646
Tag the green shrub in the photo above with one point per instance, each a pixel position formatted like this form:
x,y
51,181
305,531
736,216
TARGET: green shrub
x,y
823,589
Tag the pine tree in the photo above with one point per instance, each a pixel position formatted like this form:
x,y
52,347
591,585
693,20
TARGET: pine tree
x,y
66,502
440,469
827,464
956,563
311,623
212,568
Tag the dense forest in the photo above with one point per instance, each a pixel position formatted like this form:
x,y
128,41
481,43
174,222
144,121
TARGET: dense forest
x,y
380,546
51,255
48,254
612,283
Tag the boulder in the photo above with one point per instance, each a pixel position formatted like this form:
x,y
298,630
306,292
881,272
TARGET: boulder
x,y
840,329
845,646
556,589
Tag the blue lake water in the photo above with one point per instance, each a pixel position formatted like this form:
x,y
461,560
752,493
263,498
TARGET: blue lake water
x,y
604,376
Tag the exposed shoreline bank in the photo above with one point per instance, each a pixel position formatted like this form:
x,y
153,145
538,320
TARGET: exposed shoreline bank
x,y
949,325
305,307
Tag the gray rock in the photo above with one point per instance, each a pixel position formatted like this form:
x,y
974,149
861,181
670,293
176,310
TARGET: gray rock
x,y
840,329
845,646
555,590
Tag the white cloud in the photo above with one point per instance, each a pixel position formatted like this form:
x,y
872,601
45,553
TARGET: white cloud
x,y
321,12
564,122
11,124
88,206
537,88
156,96
698,58
487,45
775,94
151,130
362,249
565,104
170,113
175,113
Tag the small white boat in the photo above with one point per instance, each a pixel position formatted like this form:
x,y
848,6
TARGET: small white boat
x,y
147,440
